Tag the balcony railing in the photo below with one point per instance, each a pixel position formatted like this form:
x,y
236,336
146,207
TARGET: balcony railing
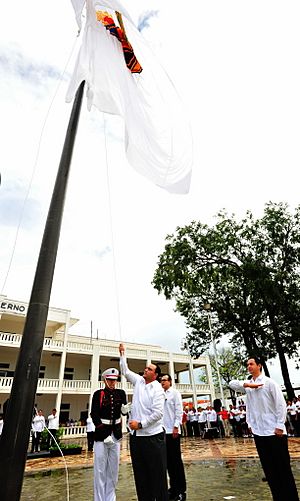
x,y
52,344
51,385
83,386
77,386
8,339
73,431
106,349
187,388
79,347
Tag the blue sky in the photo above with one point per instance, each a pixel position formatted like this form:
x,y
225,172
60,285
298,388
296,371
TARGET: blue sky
x,y
234,64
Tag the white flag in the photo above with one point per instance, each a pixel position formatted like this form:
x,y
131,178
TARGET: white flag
x,y
158,138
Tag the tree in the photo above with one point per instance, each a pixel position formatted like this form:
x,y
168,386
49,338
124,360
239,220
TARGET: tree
x,y
231,366
248,271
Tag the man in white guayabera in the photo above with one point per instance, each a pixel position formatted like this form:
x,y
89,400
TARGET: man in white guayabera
x,y
266,416
147,438
172,422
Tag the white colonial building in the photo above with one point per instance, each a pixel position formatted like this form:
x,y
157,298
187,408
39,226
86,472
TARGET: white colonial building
x,y
71,365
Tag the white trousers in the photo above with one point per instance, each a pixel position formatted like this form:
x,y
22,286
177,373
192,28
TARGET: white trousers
x,y
106,469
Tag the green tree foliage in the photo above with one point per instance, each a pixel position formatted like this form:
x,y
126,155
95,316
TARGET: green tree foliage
x,y
248,271
231,365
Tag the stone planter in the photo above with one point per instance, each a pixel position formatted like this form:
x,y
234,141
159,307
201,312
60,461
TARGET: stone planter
x,y
67,451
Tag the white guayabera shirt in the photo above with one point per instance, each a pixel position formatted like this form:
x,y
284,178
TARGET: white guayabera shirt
x,y
147,402
265,407
172,410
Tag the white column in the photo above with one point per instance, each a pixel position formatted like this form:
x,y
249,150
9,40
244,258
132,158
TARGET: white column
x,y
62,365
95,367
171,369
149,361
123,383
192,379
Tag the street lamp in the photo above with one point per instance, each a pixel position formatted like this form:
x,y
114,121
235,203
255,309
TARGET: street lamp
x,y
207,308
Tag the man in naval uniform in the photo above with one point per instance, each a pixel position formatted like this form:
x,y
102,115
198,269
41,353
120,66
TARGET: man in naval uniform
x,y
107,405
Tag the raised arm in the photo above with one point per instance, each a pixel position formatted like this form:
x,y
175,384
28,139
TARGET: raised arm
x,y
132,377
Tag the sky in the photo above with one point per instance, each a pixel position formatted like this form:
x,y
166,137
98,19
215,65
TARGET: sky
x,y
235,65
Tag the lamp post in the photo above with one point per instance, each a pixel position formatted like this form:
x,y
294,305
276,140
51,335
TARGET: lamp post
x,y
207,308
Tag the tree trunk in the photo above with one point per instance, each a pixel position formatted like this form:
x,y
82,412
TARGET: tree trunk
x,y
251,347
283,364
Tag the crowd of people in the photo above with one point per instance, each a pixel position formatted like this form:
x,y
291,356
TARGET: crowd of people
x,y
38,426
156,420
212,422
293,417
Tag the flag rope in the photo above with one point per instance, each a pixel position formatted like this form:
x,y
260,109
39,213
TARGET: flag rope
x,y
111,231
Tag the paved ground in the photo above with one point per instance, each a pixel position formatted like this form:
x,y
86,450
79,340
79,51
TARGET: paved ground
x,y
193,449
216,470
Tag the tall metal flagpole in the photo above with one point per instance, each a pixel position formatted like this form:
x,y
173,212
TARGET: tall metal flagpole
x,y
17,423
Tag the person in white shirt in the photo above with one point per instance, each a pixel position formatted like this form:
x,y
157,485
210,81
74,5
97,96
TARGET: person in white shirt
x,y
295,419
211,417
297,402
90,429
193,419
291,417
202,420
212,423
236,413
147,438
172,420
266,416
53,426
38,424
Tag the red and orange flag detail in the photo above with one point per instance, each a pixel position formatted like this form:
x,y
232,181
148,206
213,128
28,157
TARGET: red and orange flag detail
x,y
130,59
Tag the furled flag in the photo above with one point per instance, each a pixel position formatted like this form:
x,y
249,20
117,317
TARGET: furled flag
x,y
124,77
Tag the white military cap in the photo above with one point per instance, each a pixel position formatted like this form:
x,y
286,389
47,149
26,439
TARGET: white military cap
x,y
110,374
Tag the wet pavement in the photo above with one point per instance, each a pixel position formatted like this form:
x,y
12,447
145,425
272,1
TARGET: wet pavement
x,y
215,469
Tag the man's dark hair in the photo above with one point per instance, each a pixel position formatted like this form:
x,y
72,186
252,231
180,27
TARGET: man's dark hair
x,y
256,359
167,376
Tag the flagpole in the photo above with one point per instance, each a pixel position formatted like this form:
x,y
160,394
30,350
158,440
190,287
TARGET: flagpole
x,y
17,423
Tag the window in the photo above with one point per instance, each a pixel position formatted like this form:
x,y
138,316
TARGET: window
x,y
4,366
64,407
64,413
3,370
69,373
